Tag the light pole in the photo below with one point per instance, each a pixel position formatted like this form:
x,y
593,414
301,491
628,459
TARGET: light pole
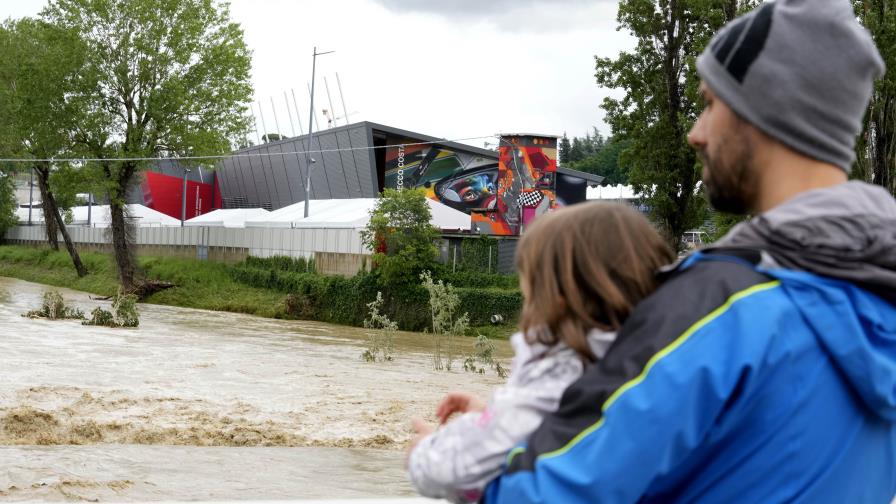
x,y
31,195
311,130
183,199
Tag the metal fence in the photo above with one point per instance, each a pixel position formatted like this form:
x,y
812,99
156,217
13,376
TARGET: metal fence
x,y
258,242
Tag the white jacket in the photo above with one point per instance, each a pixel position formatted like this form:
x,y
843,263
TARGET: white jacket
x,y
458,460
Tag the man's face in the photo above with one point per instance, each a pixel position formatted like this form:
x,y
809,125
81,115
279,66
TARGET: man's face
x,y
725,145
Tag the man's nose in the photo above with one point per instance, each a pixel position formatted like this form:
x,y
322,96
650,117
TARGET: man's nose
x,y
696,138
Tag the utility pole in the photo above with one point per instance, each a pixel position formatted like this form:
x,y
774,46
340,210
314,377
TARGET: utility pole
x,y
183,200
311,129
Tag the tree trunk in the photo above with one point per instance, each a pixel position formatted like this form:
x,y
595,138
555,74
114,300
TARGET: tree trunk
x,y
51,213
123,257
49,220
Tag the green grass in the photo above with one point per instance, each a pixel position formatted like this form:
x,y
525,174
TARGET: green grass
x,y
200,284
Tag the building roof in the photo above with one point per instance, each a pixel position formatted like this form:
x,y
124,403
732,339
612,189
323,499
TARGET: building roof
x,y
228,218
349,213
386,129
591,178
140,215
540,135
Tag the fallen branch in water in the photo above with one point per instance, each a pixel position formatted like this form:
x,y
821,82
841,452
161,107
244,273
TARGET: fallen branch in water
x,y
142,291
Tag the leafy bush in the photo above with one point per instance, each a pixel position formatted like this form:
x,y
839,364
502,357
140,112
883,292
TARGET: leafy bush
x,y
470,279
478,255
123,314
401,236
100,317
341,300
483,357
446,323
282,263
382,340
53,307
125,308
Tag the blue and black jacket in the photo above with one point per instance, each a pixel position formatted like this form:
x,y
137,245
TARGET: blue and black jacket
x,y
734,382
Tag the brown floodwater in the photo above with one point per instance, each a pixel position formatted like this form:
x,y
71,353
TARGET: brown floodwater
x,y
201,405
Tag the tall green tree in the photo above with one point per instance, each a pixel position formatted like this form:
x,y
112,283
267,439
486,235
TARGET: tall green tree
x,y
876,149
8,202
661,102
605,162
163,78
39,69
563,147
401,236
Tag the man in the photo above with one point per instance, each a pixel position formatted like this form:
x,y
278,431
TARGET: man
x,y
763,370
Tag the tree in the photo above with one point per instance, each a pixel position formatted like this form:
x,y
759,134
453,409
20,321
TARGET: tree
x,y
605,162
8,203
661,102
40,67
163,78
563,150
401,236
876,148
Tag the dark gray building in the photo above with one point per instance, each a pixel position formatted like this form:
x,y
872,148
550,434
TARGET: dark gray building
x,y
501,189
350,163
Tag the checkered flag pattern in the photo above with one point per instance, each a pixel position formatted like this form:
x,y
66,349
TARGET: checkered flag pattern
x,y
531,198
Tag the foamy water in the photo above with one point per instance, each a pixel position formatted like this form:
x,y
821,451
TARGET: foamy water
x,y
205,405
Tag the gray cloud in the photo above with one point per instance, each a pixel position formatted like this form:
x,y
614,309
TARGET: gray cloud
x,y
477,8
511,15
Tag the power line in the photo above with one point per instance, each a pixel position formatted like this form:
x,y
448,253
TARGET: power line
x,y
227,156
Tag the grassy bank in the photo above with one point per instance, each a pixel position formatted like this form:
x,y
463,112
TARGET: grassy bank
x,y
200,284
268,288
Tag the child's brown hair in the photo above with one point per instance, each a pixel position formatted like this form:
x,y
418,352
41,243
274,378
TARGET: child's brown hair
x,y
586,267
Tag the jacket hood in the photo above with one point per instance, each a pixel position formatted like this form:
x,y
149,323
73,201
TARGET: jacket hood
x,y
846,233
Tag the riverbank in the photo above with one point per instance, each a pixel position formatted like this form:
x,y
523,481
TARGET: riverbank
x,y
222,287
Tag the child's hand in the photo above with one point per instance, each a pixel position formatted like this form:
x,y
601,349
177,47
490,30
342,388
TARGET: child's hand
x,y
421,430
458,402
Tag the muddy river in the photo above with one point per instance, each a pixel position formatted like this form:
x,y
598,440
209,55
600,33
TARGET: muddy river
x,y
200,405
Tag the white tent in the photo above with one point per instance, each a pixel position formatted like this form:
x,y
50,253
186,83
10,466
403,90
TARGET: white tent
x,y
617,192
350,214
37,215
446,218
140,215
228,218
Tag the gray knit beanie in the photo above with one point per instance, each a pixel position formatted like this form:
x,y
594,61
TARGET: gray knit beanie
x,y
801,71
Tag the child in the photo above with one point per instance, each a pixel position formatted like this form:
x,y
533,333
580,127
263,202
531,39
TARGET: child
x,y
582,269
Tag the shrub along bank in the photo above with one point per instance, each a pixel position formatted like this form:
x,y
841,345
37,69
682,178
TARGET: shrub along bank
x,y
344,300
274,287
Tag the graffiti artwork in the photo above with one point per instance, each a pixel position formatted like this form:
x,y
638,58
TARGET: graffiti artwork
x,y
527,167
460,180
502,197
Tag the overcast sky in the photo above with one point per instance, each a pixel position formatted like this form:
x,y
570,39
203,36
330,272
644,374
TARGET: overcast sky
x,y
452,69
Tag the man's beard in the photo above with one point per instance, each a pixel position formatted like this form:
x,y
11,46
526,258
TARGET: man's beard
x,y
729,176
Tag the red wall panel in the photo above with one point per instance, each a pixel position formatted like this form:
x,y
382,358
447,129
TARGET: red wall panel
x,y
163,193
